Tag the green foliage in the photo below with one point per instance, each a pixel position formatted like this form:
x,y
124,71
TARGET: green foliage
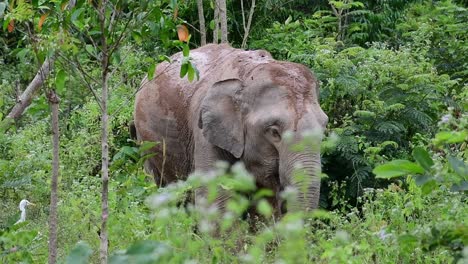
x,y
15,244
438,31
372,96
445,167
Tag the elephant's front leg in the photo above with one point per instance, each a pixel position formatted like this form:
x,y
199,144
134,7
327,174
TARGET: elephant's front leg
x,y
205,158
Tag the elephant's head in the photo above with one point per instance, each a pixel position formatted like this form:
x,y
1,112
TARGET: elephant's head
x,y
248,118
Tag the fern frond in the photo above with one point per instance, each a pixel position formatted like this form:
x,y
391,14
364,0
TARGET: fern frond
x,y
420,118
390,127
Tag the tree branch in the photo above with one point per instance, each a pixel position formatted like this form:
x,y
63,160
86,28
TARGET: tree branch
x,y
26,97
249,22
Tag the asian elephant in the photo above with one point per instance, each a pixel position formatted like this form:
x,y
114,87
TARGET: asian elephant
x,y
238,110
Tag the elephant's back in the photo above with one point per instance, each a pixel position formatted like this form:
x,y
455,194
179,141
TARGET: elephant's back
x,y
174,95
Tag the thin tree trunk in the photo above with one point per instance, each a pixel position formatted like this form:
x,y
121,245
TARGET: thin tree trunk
x,y
223,20
54,103
216,20
249,22
27,96
201,17
105,133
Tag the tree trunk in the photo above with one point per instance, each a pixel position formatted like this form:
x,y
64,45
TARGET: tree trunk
x,y
54,103
105,133
216,20
26,97
223,20
201,18
249,22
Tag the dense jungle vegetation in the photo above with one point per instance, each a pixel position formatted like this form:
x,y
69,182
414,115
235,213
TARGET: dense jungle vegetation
x,y
393,81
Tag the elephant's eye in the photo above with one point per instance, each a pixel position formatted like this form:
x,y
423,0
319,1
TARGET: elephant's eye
x,y
273,133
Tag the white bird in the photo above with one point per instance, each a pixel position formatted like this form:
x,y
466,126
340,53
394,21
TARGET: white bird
x,y
22,207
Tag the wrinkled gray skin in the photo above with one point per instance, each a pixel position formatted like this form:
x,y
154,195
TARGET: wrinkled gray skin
x,y
237,111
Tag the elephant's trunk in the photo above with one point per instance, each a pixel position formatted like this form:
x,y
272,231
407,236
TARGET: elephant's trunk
x,y
301,170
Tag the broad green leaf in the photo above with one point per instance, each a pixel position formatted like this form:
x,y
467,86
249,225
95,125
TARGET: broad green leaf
x,y
364,114
452,137
80,254
423,158
428,187
183,70
164,58
146,145
130,151
60,79
397,168
407,241
186,50
458,166
263,193
151,70
197,73
142,252
264,208
422,179
173,4
137,37
462,186
191,72
90,49
6,22
76,14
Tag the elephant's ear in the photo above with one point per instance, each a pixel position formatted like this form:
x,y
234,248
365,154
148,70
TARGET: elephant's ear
x,y
220,116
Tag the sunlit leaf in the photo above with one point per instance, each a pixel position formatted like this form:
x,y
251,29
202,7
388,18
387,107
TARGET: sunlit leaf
x,y
451,137
263,193
41,20
182,33
11,26
397,168
264,208
5,24
137,36
151,70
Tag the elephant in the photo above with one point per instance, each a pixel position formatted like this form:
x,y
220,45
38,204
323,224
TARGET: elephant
x,y
237,111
